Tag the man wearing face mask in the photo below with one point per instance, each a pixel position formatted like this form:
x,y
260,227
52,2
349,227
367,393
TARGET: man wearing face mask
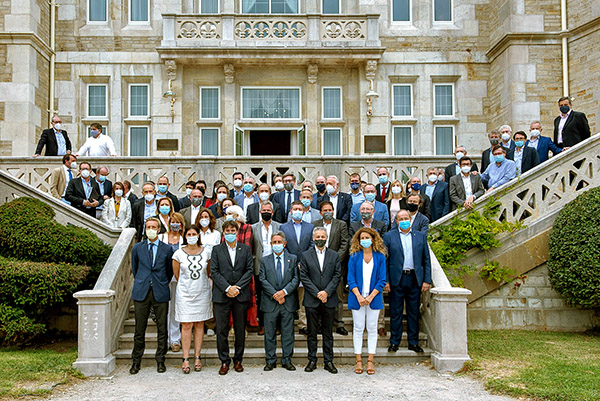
x,y
97,144
190,213
418,221
366,220
380,209
438,194
525,158
55,140
238,183
309,214
144,208
570,127
342,202
61,176
105,186
542,144
253,214
383,188
454,169
505,137
501,171
487,157
289,195
414,187
466,187
83,192
321,187
277,184
248,197
163,191
186,201
355,191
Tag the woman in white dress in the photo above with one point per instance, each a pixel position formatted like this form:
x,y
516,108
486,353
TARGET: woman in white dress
x,y
116,212
209,236
191,267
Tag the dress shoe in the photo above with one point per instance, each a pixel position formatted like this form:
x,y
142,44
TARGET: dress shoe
x,y
288,366
342,331
303,331
330,367
135,367
269,367
175,347
160,367
224,369
393,348
381,332
237,366
416,348
311,366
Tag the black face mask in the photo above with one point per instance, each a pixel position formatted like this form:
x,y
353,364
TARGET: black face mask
x,y
321,187
266,216
412,207
320,243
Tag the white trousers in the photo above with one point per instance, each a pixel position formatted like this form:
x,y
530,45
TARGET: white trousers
x,y
365,313
173,325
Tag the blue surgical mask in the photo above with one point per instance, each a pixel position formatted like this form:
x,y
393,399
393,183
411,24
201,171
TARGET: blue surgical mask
x,y
94,132
519,144
355,185
297,215
416,186
162,189
404,224
247,187
383,179
229,217
498,158
277,248
164,209
230,237
306,202
101,178
370,196
365,243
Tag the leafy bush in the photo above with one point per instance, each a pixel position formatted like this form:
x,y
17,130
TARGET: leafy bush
x,y
573,262
16,328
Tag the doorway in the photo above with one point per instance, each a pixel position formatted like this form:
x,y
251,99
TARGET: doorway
x,y
270,143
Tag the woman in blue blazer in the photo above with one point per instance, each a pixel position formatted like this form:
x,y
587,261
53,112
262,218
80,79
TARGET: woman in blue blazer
x,y
366,279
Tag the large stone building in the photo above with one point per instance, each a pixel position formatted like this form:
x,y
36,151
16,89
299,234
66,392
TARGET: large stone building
x,y
293,77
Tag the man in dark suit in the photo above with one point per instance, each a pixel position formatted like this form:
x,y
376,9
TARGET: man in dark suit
x,y
238,183
418,221
253,212
321,187
152,272
367,220
342,202
105,187
383,188
162,190
289,195
465,187
408,274
541,143
320,273
570,127
380,212
337,240
438,194
143,209
487,157
83,192
524,157
129,195
186,201
454,168
231,270
279,277
55,139
190,213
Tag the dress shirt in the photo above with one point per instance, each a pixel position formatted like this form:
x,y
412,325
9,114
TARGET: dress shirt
x,y
429,190
279,259
232,252
367,270
492,161
101,187
467,183
62,144
266,233
194,213
334,200
149,210
561,125
307,216
87,187
498,175
327,226
365,224
518,159
154,250
321,257
357,198
298,229
290,195
102,145
406,240
68,177
457,169
247,202
533,143
394,208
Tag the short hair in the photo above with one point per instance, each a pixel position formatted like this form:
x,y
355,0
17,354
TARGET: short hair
x,y
100,168
288,174
117,184
366,203
494,132
335,177
373,185
520,133
505,126
564,98
127,184
267,202
55,116
237,173
267,185
67,157
190,183
154,219
465,159
296,203
163,176
536,122
355,175
325,203
417,195
317,229
235,209
201,182
98,126
211,218
151,183
306,190
82,163
230,223
195,228
495,148
280,234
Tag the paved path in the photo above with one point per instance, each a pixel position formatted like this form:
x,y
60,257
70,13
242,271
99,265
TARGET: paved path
x,y
390,382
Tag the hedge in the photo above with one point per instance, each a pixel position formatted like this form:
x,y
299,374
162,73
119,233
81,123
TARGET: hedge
x,y
16,328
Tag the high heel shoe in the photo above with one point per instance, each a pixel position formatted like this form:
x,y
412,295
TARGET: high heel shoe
x,y
370,367
358,368
185,369
197,365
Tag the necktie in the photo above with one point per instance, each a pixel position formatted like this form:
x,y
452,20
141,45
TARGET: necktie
x,y
288,203
151,253
382,193
279,271
70,175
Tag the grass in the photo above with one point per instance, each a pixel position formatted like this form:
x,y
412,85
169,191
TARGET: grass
x,y
36,371
537,364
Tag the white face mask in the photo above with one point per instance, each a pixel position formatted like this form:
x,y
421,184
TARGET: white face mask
x,y
279,185
151,234
73,165
505,137
459,155
330,189
465,169
221,196
57,126
192,240
396,190
263,196
188,191
535,133
237,183
440,177
118,192
432,178
85,173
204,222
149,197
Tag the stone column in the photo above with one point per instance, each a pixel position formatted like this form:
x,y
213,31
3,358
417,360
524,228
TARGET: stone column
x,y
94,342
230,107
313,112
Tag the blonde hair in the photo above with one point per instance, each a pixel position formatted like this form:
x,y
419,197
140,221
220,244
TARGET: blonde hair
x,y
378,245
390,194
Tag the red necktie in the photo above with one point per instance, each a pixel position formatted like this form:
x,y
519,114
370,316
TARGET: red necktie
x,y
382,193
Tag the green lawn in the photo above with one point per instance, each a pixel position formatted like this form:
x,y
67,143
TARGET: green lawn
x,y
537,364
36,371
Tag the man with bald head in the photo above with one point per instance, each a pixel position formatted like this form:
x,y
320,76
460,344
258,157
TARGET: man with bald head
x,y
105,186
342,202
321,187
454,169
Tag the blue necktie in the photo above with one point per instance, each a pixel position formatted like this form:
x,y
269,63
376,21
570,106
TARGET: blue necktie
x,y
151,253
279,271
70,175
288,203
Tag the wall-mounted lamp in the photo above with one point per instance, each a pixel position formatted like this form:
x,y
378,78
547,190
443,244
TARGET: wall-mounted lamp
x,y
371,94
172,98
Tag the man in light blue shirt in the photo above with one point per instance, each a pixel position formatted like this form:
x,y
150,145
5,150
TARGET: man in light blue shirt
x,y
501,171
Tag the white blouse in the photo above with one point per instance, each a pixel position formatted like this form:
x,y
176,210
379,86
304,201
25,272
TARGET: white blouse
x,y
367,271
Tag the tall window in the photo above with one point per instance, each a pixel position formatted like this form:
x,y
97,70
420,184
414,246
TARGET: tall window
x,y
331,6
138,10
209,6
97,100
209,102
444,140
138,141
442,10
332,103
402,98
97,10
402,141
270,103
138,100
270,6
444,100
332,141
209,142
401,10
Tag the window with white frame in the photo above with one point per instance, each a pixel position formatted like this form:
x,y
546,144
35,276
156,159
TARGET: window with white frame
x,y
97,10
332,103
332,141
331,6
138,100
139,11
209,103
402,141
209,142
138,141
209,7
96,100
443,100
442,10
444,140
401,10
270,6
402,99
270,103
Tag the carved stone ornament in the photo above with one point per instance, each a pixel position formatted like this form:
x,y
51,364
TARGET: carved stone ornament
x,y
229,73
313,71
171,69
370,70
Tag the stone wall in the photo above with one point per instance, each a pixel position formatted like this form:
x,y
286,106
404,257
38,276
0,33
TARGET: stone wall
x,y
581,11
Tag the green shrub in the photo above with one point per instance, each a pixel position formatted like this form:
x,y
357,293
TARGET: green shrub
x,y
573,261
16,328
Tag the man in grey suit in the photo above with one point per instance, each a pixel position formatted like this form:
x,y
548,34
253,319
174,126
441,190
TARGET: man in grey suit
x,y
279,300
262,232
320,272
465,187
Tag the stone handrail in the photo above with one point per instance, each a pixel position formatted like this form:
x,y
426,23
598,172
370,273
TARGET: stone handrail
x,y
103,310
12,188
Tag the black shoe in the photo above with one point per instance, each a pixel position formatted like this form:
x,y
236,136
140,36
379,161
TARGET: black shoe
x,y
269,367
288,366
393,348
160,367
329,366
303,331
415,348
311,366
342,331
135,367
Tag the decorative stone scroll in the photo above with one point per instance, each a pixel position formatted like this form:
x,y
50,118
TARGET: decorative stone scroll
x,y
171,66
313,72
198,29
371,69
270,29
229,71
342,30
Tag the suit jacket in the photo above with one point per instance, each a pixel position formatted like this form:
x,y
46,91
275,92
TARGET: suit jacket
x,y
257,245
131,197
186,212
530,158
58,182
137,217
457,189
317,198
187,202
338,237
544,145
420,223
270,283
425,208
106,186
239,200
253,213
48,139
576,129
314,215
76,194
355,279
344,205
214,210
376,225
144,272
293,246
279,197
485,158
110,217
395,260
440,200
388,190
314,280
225,274
381,213
450,170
